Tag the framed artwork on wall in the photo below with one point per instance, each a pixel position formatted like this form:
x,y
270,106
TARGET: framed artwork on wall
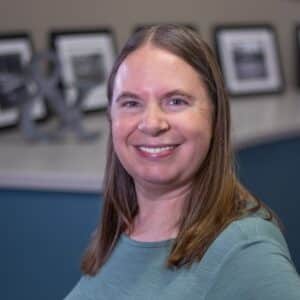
x,y
86,58
16,51
249,59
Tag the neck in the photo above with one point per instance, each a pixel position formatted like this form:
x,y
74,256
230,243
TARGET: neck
x,y
159,213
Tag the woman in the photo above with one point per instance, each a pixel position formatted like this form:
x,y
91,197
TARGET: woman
x,y
176,223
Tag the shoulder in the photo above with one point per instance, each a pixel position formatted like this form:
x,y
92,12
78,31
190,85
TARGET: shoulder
x,y
83,290
255,229
252,231
252,262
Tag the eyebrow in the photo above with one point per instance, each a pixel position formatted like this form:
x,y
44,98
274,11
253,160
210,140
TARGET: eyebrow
x,y
172,93
126,95
176,93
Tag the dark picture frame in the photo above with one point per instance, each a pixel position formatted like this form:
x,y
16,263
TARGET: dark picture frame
x,y
297,43
249,58
85,54
16,51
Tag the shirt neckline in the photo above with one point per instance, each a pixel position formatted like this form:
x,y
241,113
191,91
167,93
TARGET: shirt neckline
x,y
156,244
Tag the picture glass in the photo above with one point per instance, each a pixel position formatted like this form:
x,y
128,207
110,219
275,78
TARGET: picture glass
x,y
86,60
249,60
15,54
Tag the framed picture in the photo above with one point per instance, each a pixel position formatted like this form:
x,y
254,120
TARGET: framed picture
x,y
249,58
297,35
16,51
86,56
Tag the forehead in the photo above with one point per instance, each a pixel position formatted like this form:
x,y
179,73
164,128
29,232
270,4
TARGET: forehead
x,y
151,66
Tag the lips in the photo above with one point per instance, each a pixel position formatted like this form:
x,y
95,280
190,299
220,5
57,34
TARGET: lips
x,y
156,150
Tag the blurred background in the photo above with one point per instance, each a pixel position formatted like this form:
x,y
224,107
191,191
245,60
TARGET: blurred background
x,y
50,191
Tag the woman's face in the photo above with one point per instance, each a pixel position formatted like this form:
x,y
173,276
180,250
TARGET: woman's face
x,y
161,118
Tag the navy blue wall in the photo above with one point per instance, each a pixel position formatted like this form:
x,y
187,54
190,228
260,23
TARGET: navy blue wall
x,y
271,171
43,234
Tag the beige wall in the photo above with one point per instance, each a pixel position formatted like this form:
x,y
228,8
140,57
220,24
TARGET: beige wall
x,y
254,119
38,16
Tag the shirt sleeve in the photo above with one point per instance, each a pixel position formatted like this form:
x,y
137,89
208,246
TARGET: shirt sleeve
x,y
260,269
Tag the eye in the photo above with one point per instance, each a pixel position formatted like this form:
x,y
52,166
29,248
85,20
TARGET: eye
x,y
177,101
130,104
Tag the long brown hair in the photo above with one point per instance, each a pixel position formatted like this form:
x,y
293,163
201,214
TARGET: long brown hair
x,y
216,198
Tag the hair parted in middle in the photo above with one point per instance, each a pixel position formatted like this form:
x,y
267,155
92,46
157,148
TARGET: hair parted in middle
x,y
216,198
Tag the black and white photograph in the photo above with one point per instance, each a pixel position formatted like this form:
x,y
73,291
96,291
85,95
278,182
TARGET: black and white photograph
x,y
249,59
86,57
10,63
89,68
15,53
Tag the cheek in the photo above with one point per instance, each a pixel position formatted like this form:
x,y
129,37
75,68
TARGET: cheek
x,y
200,140
197,123
199,134
115,127
117,136
121,131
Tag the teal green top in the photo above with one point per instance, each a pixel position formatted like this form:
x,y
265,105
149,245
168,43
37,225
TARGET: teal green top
x,y
248,260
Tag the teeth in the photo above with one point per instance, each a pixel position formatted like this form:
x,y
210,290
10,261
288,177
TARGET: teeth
x,y
154,150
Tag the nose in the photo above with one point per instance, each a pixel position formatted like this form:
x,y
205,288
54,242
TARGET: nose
x,y
154,120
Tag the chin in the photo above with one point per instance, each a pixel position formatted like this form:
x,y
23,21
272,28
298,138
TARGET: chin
x,y
160,179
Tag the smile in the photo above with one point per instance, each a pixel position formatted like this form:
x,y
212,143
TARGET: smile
x,y
154,152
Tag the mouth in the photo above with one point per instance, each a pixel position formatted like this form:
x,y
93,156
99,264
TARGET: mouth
x,y
156,150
